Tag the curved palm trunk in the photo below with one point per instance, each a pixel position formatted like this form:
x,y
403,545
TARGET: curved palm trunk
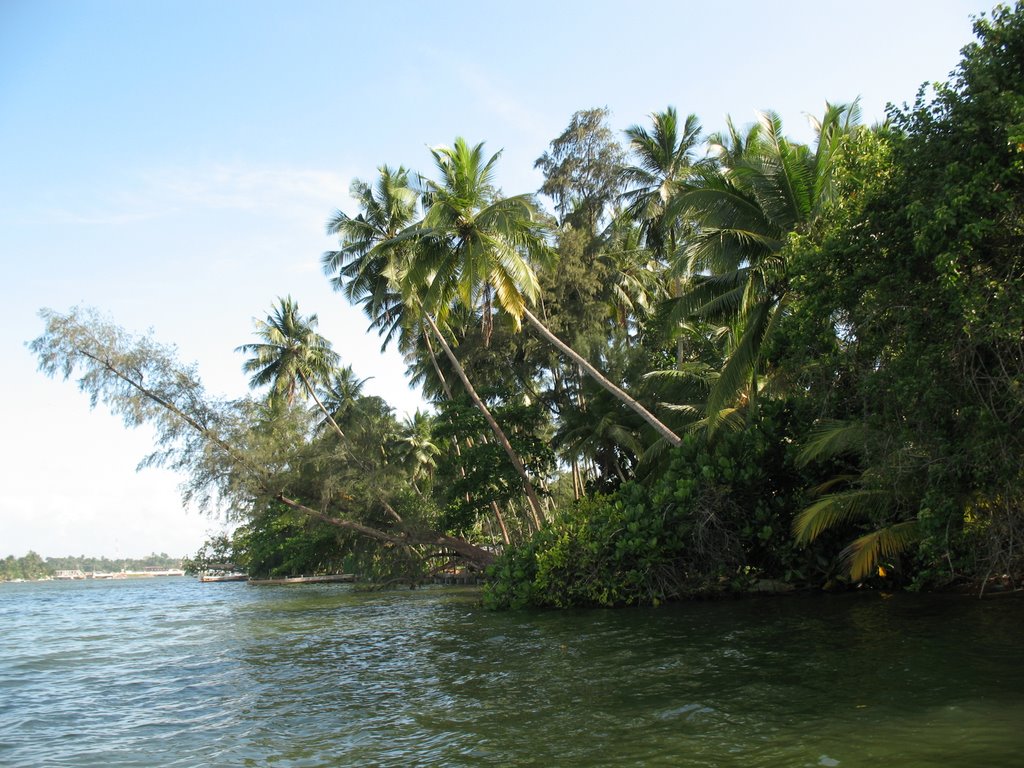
x,y
384,502
437,368
458,451
600,378
501,523
677,291
499,434
320,405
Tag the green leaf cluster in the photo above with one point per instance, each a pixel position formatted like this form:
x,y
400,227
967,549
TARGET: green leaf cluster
x,y
713,518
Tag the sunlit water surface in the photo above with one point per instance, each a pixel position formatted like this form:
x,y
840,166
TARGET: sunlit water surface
x,y
170,672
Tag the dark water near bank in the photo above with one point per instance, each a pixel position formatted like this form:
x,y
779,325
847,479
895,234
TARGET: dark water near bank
x,y
169,672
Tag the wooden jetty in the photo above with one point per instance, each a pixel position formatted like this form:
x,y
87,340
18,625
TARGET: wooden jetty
x,y
208,578
346,578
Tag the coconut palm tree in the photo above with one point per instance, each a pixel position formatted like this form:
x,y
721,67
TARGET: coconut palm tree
x,y
478,248
635,278
416,448
469,248
867,497
341,392
665,161
765,189
356,269
604,436
372,268
290,353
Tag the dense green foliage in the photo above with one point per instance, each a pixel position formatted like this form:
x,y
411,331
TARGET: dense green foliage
x,y
891,309
734,362
921,266
714,517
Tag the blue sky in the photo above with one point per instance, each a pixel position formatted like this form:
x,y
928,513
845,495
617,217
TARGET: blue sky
x,y
173,164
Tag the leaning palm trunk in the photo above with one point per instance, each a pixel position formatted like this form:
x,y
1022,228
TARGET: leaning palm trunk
x,y
600,378
323,409
577,481
321,406
458,452
501,523
499,434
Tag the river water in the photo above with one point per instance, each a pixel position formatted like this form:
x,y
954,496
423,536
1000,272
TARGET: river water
x,y
170,672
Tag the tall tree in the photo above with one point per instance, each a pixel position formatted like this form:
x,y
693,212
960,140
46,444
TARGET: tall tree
x,y
665,159
582,170
469,248
475,245
373,267
342,391
416,447
290,352
746,211
214,443
356,270
919,274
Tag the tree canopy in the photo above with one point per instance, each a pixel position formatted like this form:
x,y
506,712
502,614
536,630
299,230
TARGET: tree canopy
x,y
690,364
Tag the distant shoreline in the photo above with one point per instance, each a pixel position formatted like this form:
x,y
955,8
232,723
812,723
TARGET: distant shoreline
x,y
102,576
33,567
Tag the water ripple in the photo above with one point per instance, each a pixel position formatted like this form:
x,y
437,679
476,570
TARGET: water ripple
x,y
176,673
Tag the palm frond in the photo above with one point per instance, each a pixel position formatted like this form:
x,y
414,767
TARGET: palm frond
x,y
866,552
683,409
652,454
832,482
830,437
699,372
741,364
835,509
729,418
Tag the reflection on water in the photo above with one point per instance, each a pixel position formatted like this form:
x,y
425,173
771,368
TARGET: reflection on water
x,y
173,672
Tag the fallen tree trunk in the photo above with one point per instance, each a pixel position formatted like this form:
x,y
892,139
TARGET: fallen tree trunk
x,y
143,383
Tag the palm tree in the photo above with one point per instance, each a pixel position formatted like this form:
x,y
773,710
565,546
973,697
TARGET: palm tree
x,y
363,272
290,352
370,269
477,248
869,496
416,446
665,161
341,393
356,269
604,435
634,285
765,189
469,248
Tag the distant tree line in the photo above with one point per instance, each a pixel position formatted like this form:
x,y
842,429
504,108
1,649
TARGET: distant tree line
x,y
33,566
